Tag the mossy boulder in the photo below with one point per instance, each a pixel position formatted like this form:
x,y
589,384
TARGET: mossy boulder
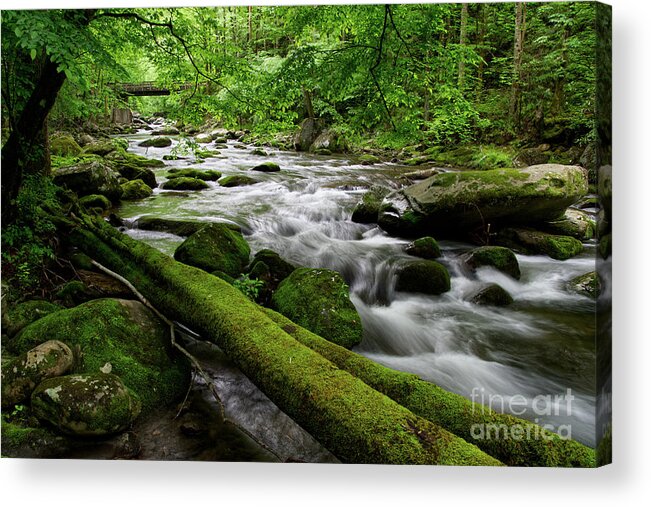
x,y
259,152
133,172
167,130
605,246
132,159
425,248
586,285
136,189
499,257
532,242
203,138
575,223
92,177
318,300
368,159
95,201
21,375
215,247
267,167
92,404
18,316
64,146
119,335
271,269
532,156
366,211
172,225
102,147
237,180
189,172
426,276
183,183
329,140
156,142
455,204
492,295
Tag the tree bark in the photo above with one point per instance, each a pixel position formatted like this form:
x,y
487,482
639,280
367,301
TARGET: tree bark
x,y
352,420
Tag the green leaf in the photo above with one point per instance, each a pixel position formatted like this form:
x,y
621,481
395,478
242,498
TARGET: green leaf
x,y
32,53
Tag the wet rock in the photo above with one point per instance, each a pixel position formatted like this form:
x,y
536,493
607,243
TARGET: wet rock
x,y
318,300
307,133
208,175
215,247
203,138
156,142
366,211
328,140
132,172
427,277
136,189
492,295
368,159
102,147
20,376
499,257
168,130
91,404
532,156
237,180
425,248
259,152
182,183
94,177
586,285
575,223
267,167
532,242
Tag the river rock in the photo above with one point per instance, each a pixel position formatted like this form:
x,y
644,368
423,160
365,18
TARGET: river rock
x,y
16,317
132,172
20,376
203,138
532,242
458,203
64,146
307,133
575,223
368,159
215,247
366,211
493,295
426,276
136,189
102,147
95,201
172,225
168,130
425,248
156,142
270,268
317,299
499,257
92,404
189,172
237,180
182,183
586,285
267,167
94,177
328,140
532,156
120,336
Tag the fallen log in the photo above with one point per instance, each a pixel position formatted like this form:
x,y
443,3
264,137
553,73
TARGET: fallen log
x,y
452,411
355,422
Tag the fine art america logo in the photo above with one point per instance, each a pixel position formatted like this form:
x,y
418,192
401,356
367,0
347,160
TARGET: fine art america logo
x,y
543,405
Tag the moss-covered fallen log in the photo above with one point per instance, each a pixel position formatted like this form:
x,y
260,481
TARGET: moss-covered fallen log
x,y
452,411
357,423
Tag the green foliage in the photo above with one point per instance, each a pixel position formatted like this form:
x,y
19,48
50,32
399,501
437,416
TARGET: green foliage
x,y
28,243
249,287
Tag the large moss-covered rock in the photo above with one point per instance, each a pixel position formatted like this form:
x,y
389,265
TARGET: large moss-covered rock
x,y
172,225
491,294
134,172
425,248
103,147
119,335
156,142
317,299
366,211
136,189
532,242
93,177
328,140
183,183
91,404
237,180
189,172
64,146
575,223
499,257
215,247
586,285
458,203
21,375
18,316
307,133
95,201
428,277
267,167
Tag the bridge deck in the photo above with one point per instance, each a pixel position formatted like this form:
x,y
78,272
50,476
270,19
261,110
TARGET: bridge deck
x,y
147,89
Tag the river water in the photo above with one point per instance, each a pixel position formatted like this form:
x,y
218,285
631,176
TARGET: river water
x,y
521,359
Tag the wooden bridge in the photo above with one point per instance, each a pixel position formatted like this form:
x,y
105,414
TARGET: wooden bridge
x,y
147,89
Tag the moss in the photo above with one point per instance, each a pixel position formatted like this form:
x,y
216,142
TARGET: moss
x,y
428,277
586,285
426,248
18,316
64,146
21,440
532,242
182,183
355,422
81,261
317,299
368,159
493,295
95,201
194,173
279,268
72,293
136,189
236,180
215,247
133,172
449,410
366,211
101,148
140,161
563,247
499,257
156,142
267,167
122,333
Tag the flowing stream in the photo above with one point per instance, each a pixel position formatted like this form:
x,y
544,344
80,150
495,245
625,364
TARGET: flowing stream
x,y
521,359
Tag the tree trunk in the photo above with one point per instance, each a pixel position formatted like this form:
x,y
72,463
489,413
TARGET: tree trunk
x,y
448,410
463,41
518,48
481,40
352,420
307,99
